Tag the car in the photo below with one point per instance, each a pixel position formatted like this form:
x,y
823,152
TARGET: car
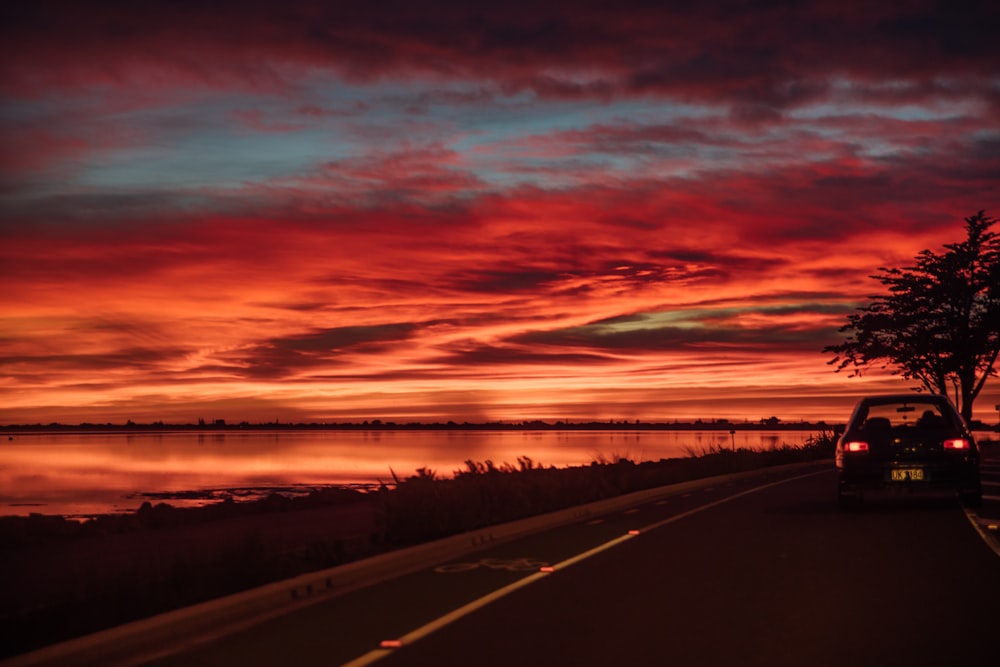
x,y
907,443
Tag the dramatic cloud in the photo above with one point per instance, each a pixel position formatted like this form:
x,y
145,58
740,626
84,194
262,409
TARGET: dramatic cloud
x,y
439,211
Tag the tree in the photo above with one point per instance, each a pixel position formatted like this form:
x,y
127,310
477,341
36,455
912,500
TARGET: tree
x,y
939,324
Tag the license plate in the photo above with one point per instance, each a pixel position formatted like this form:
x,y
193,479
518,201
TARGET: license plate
x,y
907,474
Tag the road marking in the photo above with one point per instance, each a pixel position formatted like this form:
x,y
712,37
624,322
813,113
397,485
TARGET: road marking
x,y
452,616
465,610
512,565
990,542
714,503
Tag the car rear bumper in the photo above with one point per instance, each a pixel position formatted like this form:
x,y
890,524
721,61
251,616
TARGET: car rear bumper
x,y
961,478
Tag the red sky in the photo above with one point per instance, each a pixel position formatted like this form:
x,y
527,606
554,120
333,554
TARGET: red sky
x,y
420,211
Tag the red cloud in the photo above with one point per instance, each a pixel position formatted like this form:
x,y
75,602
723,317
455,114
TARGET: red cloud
x,y
411,269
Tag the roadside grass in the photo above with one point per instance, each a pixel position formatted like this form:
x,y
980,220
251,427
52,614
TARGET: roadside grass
x,y
418,508
426,507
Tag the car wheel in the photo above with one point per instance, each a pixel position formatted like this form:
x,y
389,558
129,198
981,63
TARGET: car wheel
x,y
972,498
848,500
848,497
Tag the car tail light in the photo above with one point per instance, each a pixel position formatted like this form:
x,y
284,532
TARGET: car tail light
x,y
956,444
856,446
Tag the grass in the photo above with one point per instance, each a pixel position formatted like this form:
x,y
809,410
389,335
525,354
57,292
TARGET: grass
x,y
426,507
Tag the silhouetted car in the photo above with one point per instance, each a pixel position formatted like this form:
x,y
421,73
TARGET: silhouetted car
x,y
907,443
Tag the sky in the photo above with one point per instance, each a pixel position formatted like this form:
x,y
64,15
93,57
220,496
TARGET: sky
x,y
424,211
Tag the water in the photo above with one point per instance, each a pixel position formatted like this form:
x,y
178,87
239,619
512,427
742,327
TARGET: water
x,y
85,474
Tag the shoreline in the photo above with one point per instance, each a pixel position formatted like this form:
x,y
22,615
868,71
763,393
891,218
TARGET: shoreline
x,y
378,425
311,448
197,499
221,426
244,491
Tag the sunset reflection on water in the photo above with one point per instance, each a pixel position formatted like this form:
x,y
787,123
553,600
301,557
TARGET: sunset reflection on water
x,y
82,474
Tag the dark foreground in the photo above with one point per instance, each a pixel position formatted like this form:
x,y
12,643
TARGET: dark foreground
x,y
762,571
62,579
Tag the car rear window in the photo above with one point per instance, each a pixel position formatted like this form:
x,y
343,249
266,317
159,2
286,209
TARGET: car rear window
x,y
891,415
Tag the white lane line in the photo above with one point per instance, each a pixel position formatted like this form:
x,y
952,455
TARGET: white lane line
x,y
452,616
714,503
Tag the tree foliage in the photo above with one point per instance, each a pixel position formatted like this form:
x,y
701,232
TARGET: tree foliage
x,y
939,323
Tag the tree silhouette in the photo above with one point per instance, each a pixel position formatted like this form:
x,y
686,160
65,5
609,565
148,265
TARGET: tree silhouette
x,y
939,324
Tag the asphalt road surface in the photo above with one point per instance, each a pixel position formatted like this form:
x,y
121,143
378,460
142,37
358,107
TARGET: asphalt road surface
x,y
763,571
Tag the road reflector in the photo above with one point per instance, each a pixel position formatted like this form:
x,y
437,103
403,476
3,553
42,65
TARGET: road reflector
x,y
633,532
546,568
391,643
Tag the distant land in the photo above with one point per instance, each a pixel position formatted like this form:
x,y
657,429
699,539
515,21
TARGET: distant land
x,y
379,424
768,424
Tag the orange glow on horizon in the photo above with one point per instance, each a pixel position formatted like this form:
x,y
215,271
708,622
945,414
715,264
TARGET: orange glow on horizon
x,y
193,354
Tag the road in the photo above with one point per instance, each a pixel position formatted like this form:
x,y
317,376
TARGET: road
x,y
761,571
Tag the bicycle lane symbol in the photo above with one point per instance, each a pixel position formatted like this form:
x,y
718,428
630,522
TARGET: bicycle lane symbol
x,y
511,565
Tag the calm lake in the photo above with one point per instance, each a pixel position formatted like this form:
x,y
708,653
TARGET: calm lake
x,y
83,474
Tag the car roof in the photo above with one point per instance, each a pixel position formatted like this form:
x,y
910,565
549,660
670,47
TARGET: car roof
x,y
939,400
904,398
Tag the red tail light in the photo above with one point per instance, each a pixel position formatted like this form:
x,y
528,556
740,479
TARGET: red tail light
x,y
856,446
956,444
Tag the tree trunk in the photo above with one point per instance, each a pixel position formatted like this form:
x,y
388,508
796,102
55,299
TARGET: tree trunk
x,y
968,382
